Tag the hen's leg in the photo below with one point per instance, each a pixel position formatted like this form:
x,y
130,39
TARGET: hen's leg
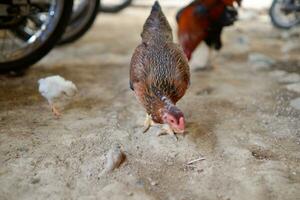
x,y
54,110
166,129
148,123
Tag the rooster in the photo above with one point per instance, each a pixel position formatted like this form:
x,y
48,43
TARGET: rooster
x,y
204,20
159,74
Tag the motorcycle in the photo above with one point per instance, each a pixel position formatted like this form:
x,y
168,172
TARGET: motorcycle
x,y
84,14
108,6
285,14
29,29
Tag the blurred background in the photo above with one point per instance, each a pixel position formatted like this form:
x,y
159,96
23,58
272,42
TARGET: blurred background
x,y
242,112
257,4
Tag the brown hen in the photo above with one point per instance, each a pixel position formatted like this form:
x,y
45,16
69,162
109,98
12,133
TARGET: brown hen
x,y
159,74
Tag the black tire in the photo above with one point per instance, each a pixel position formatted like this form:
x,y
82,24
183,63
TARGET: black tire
x,y
72,34
25,62
116,8
276,22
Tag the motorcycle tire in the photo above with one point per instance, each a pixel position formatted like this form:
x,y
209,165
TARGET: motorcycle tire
x,y
80,22
29,59
114,8
275,18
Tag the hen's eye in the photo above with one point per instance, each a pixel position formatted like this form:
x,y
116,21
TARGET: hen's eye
x,y
172,121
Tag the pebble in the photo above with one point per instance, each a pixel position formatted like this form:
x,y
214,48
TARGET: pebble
x,y
114,158
260,61
35,180
290,78
278,73
295,103
294,87
152,182
240,45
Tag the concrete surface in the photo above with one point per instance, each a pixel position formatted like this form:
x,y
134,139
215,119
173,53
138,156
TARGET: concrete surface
x,y
238,118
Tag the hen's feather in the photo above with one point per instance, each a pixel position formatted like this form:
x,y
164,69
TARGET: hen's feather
x,y
156,26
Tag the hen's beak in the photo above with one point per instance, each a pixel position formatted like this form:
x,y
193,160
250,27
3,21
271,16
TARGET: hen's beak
x,y
181,124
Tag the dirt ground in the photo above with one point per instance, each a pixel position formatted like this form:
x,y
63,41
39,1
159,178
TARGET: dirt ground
x,y
239,119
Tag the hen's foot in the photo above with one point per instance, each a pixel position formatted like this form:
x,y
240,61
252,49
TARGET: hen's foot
x,y
166,130
148,123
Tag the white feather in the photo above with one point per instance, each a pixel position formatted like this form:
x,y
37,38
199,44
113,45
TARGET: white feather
x,y
53,87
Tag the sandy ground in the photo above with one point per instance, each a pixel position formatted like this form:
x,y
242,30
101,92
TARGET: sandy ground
x,y
239,119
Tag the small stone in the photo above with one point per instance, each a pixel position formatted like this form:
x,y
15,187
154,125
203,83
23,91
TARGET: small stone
x,y
295,103
260,62
23,149
140,183
35,180
278,73
153,183
130,194
290,78
240,45
295,87
114,158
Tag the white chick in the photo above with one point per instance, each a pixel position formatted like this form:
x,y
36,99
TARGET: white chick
x,y
53,87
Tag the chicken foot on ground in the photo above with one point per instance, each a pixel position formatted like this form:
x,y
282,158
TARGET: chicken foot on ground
x,y
165,129
148,123
54,110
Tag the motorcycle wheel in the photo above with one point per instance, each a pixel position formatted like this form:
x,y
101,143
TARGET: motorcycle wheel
x,y
82,19
29,41
283,20
108,6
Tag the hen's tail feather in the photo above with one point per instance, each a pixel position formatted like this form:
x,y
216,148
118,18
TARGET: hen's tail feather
x,y
156,25
156,7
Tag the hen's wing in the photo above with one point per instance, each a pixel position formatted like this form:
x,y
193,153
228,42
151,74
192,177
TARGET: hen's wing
x,y
137,66
181,77
161,71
